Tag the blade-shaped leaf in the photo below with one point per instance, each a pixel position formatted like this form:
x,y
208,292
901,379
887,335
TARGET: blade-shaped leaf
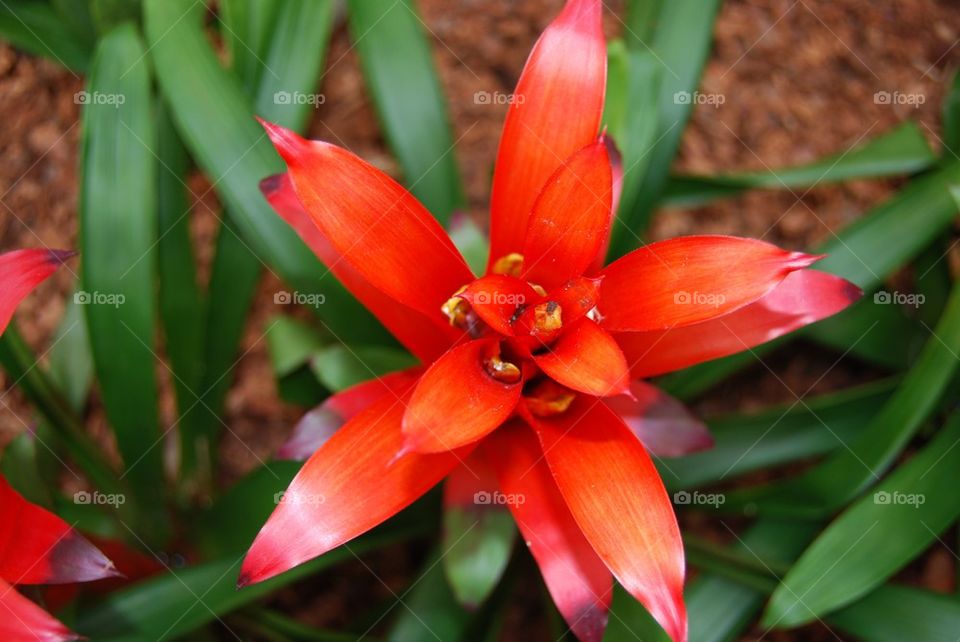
x,y
38,28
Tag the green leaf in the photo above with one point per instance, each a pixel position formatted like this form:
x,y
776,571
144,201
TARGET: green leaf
x,y
903,150
402,80
292,344
630,622
78,18
429,611
950,135
471,241
108,14
477,542
71,363
246,27
216,122
118,228
681,43
745,443
849,471
897,613
875,537
338,366
641,20
37,28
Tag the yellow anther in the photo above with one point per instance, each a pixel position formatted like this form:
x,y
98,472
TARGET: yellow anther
x,y
547,317
510,265
538,289
456,309
502,371
549,399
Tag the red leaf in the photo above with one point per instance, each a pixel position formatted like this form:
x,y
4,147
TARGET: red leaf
x,y
579,583
425,336
687,280
556,110
37,547
353,483
23,621
663,424
587,359
802,298
616,496
320,424
20,272
376,225
570,219
457,401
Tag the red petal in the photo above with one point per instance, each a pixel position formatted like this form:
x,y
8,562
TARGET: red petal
x,y
570,219
376,225
496,299
425,336
557,109
662,423
20,272
616,164
23,621
587,359
37,547
320,424
579,583
457,402
353,483
802,298
614,492
691,279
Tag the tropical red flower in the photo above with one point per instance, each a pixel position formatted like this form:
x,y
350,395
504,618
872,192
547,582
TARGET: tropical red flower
x,y
20,272
531,370
37,547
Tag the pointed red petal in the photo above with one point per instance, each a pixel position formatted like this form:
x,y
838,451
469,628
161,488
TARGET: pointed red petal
x,y
587,359
557,109
353,483
497,298
579,583
662,423
376,225
690,279
20,272
616,164
570,219
37,547
457,402
614,492
320,424
425,336
802,298
23,621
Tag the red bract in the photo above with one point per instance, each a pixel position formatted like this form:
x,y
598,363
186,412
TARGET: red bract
x,y
20,272
533,361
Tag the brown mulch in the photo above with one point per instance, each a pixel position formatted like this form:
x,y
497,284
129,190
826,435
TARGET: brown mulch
x,y
798,78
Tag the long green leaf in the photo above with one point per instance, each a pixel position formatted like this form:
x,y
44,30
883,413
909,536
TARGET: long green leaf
x,y
38,28
399,70
217,124
898,613
118,221
903,150
246,28
429,610
875,537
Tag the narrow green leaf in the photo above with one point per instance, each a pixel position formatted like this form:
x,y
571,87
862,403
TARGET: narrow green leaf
x,y
36,27
399,70
108,14
247,26
903,150
898,613
477,542
338,367
629,621
875,537
78,18
217,125
71,362
471,241
681,42
118,227
429,610
849,471
641,22
292,344
950,134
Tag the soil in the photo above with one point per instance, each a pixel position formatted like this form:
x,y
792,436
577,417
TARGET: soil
x,y
798,77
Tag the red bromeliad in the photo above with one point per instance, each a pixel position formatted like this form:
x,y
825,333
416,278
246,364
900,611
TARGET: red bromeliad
x,y
533,370
20,272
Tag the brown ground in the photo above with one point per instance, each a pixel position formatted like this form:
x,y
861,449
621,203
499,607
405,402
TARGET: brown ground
x,y
798,78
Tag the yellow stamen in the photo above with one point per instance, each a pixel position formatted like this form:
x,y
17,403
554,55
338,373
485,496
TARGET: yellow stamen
x,y
510,265
502,371
538,289
547,317
456,309
549,399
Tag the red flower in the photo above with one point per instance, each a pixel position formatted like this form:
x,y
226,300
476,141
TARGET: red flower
x,y
530,370
37,547
20,272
